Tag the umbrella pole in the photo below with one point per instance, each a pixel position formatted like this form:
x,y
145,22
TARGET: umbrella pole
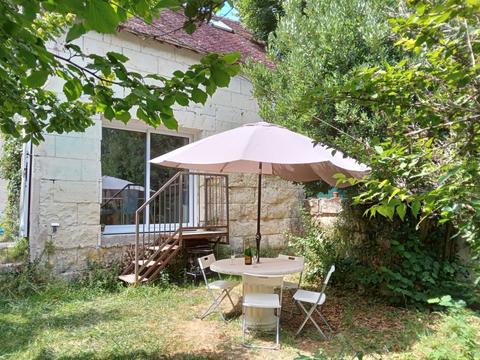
x,y
258,236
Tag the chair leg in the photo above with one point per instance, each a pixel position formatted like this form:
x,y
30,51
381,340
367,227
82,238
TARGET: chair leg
x,y
277,336
324,320
309,317
215,304
230,298
243,326
277,333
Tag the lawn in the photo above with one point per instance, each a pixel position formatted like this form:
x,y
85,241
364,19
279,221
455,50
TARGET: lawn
x,y
75,322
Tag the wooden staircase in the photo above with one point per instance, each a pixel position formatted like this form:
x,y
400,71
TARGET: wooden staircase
x,y
188,207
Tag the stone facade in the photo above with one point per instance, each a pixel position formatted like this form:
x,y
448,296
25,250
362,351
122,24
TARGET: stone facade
x,y
324,211
66,176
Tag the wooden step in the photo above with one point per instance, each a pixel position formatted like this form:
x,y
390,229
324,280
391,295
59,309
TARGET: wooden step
x,y
147,262
202,234
164,247
130,278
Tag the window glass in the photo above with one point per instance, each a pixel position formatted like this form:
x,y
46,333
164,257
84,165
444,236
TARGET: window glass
x,y
123,175
161,144
124,164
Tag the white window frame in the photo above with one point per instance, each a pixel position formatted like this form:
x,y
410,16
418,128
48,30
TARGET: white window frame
x,y
138,126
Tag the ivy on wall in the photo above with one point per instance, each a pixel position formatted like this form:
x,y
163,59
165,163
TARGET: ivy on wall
x,y
10,169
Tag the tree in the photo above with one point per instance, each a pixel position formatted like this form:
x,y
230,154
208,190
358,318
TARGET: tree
x,y
260,16
429,163
348,79
26,26
317,45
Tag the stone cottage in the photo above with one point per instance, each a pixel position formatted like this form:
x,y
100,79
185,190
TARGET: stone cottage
x,y
69,177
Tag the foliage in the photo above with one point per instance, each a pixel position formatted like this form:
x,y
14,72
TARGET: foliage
x,y
28,61
391,260
260,16
101,275
19,252
25,280
429,162
316,46
318,246
455,338
10,170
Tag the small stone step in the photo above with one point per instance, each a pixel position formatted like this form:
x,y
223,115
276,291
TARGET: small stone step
x,y
164,247
130,278
148,263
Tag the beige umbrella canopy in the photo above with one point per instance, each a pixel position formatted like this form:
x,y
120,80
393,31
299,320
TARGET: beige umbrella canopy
x,y
263,148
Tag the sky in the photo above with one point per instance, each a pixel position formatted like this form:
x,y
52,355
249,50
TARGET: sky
x,y
228,12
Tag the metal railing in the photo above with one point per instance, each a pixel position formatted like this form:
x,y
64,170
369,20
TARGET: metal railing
x,y
188,202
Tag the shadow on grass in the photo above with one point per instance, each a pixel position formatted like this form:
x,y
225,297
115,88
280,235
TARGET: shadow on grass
x,y
18,335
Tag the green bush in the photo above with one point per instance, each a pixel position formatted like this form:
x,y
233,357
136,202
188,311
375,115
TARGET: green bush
x,y
25,280
389,259
101,275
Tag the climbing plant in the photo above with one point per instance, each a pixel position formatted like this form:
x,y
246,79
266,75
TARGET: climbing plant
x,y
10,170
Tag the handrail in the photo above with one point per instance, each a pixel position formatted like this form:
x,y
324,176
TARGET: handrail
x,y
147,202
118,192
166,206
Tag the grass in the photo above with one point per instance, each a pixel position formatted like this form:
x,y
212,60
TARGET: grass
x,y
153,322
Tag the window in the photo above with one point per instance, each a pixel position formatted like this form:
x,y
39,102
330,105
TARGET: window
x,y
127,176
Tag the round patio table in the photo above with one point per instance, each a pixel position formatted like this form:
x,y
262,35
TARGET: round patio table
x,y
258,318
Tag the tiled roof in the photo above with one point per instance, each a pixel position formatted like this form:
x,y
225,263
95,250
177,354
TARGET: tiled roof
x,y
207,38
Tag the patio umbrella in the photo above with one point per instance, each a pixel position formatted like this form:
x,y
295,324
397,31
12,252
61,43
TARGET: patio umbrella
x,y
263,148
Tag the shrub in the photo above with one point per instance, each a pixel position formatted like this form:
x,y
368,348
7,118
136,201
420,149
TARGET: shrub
x,y
101,275
393,260
24,280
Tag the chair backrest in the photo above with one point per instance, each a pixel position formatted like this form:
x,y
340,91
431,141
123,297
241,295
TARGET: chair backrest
x,y
327,278
266,281
205,261
265,284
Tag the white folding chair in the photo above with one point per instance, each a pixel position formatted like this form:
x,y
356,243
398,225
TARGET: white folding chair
x,y
316,299
224,285
262,300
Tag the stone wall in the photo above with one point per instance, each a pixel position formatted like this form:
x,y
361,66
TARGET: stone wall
x,y
324,211
66,177
280,210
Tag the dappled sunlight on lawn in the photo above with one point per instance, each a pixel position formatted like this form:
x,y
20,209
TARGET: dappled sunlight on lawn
x,y
153,322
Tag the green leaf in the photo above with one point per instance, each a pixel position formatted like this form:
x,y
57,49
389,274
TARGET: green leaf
x,y
72,89
169,121
181,99
37,78
75,32
402,210
189,27
416,207
117,56
123,116
220,77
109,113
199,96
101,16
232,58
142,115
